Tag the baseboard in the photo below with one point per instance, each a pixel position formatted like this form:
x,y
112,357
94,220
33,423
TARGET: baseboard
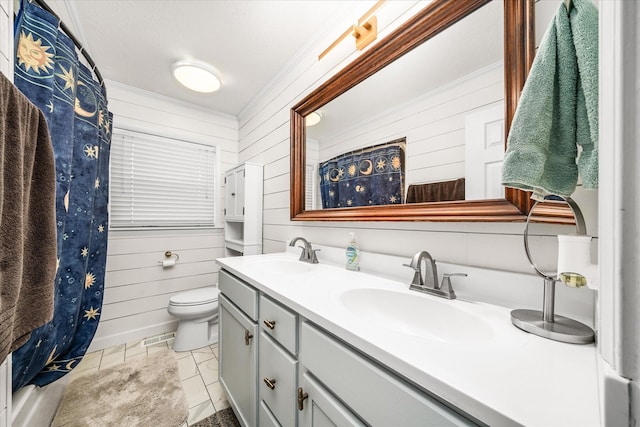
x,y
132,335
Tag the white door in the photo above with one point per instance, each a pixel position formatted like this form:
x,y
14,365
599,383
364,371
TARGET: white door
x,y
484,152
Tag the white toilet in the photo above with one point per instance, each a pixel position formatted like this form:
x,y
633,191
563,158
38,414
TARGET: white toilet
x,y
197,311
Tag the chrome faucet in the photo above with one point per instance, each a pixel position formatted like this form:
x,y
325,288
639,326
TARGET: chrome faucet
x,y
416,263
308,253
429,284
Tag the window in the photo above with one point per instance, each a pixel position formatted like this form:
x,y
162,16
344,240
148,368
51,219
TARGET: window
x,y
310,187
161,182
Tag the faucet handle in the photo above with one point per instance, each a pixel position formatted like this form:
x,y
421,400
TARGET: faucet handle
x,y
314,257
416,269
446,283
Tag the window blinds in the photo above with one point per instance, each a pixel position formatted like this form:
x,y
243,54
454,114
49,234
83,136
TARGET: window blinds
x,y
310,185
161,182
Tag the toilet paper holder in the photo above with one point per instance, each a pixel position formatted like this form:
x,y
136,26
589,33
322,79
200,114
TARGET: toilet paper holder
x,y
171,258
545,323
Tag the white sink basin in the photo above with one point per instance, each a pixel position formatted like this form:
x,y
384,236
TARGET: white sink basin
x,y
281,266
417,315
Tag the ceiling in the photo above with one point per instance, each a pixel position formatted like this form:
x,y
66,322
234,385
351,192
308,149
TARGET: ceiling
x,y
134,42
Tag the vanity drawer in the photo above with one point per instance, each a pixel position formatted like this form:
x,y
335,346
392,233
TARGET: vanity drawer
x,y
278,368
241,294
377,396
279,322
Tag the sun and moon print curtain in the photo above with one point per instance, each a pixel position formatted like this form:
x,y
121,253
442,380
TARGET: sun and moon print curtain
x,y
366,177
48,72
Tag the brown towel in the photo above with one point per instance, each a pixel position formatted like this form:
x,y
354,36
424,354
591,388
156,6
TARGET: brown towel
x,y
27,219
444,191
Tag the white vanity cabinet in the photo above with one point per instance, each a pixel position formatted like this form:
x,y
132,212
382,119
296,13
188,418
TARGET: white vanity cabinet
x,y
238,341
306,376
277,363
243,209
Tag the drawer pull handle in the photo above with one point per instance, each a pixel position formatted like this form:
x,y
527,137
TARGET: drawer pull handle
x,y
270,323
270,383
301,397
247,337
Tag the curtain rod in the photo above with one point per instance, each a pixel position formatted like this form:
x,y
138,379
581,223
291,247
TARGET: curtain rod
x,y
64,28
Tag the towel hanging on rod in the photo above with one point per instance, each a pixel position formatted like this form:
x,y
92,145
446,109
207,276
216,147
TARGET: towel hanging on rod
x,y
81,48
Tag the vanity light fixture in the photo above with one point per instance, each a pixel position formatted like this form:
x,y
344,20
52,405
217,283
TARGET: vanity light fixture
x,y
196,75
364,32
313,118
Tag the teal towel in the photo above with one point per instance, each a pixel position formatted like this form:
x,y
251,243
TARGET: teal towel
x,y
558,110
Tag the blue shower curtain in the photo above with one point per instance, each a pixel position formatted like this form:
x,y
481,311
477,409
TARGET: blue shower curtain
x,y
371,176
48,72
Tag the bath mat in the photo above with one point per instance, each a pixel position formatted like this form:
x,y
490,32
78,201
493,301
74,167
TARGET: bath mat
x,y
223,418
144,392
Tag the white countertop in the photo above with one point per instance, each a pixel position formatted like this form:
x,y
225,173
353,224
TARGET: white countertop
x,y
511,378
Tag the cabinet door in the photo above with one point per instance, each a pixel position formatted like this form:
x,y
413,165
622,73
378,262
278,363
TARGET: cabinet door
x,y
238,360
235,192
230,195
321,409
277,380
240,192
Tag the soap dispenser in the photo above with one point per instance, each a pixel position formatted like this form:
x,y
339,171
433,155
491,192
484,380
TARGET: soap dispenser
x,y
353,254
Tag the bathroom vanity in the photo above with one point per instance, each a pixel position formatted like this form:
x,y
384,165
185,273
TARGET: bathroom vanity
x,y
304,344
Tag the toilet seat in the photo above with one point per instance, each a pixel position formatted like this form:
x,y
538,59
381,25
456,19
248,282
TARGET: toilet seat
x,y
195,297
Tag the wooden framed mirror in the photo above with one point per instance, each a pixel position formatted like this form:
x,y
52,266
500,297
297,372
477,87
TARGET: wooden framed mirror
x,y
432,20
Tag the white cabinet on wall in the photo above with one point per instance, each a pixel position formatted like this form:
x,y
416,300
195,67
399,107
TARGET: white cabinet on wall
x,y
243,210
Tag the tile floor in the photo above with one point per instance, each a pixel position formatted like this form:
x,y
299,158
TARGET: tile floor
x,y
198,371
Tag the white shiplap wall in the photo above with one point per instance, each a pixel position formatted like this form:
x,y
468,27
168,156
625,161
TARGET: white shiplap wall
x,y
137,288
264,139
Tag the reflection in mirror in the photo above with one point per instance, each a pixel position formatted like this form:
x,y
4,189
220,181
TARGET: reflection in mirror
x,y
366,176
445,98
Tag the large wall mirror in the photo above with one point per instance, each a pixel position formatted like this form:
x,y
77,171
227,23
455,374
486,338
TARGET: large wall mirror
x,y
415,128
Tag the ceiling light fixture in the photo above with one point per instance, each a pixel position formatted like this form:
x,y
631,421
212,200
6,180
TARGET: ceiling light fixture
x,y
313,118
196,75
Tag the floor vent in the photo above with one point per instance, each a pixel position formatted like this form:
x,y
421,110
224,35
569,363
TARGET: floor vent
x,y
158,339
